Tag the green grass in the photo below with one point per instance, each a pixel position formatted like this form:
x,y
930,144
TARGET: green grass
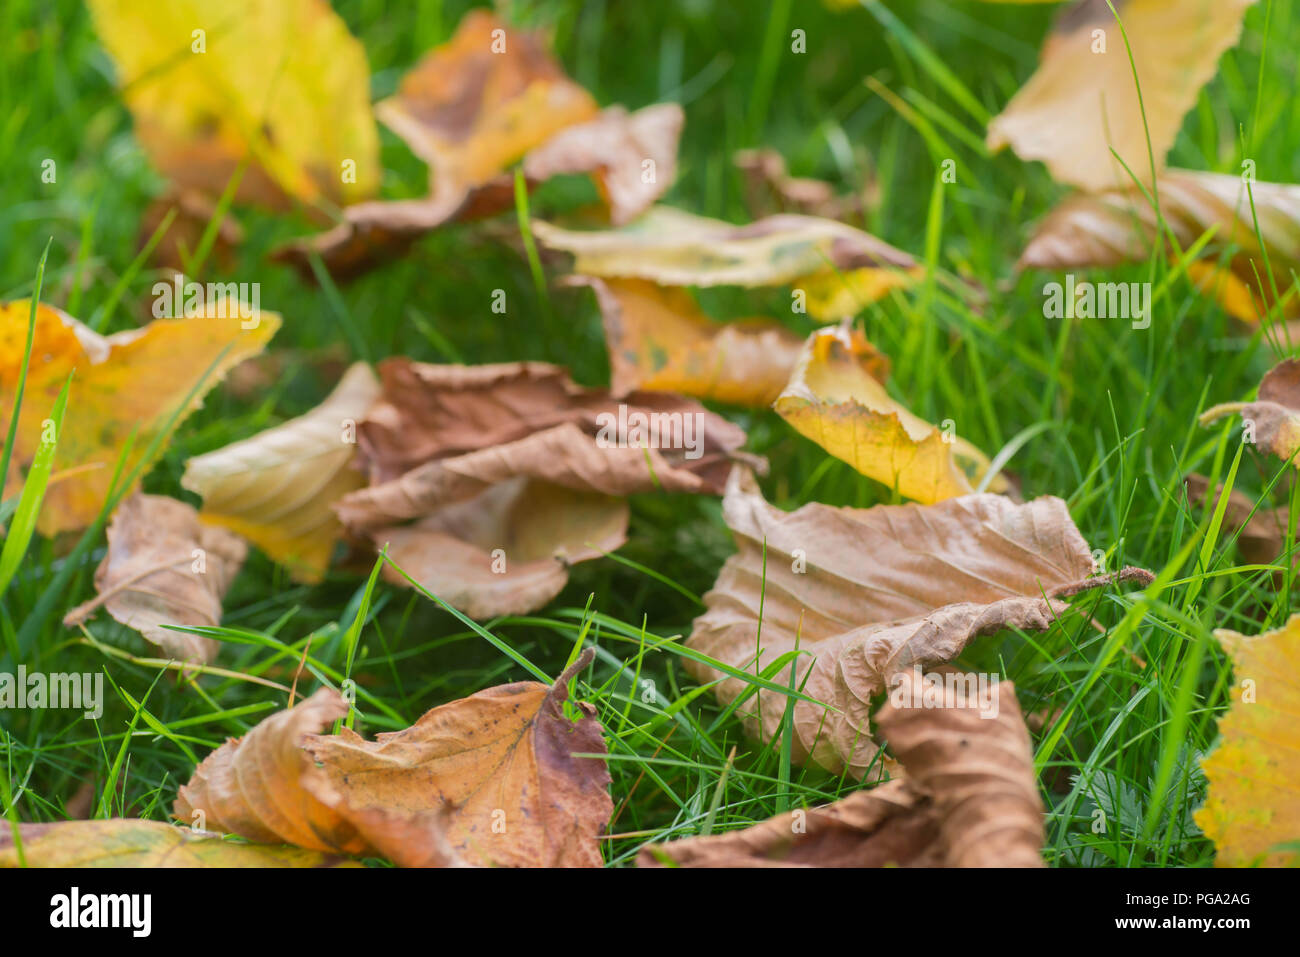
x,y
1096,412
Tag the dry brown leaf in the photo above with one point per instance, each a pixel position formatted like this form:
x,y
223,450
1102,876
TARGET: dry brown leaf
x,y
1272,421
969,799
1119,226
769,188
1260,531
119,842
660,340
194,210
1082,101
164,567
511,473
867,593
487,780
277,488
835,397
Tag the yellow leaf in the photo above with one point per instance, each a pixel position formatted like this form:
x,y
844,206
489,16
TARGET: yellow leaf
x,y
130,382
214,82
276,488
1253,804
834,400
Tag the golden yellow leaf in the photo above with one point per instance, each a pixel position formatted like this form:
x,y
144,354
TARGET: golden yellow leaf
x,y
127,842
214,82
1082,101
129,382
278,487
1253,803
833,399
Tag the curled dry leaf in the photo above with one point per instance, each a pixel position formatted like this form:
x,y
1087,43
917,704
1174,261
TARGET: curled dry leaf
x,y
213,83
1252,808
769,188
1260,530
660,340
491,780
508,474
163,567
278,487
1273,419
1120,226
1082,102
835,397
129,842
128,383
675,248
867,593
969,799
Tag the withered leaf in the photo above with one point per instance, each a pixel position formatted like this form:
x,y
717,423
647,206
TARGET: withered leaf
x,y
835,397
164,567
769,188
1082,102
278,487
969,799
1260,530
128,842
1119,226
867,593
508,474
1252,808
1273,419
488,780
129,382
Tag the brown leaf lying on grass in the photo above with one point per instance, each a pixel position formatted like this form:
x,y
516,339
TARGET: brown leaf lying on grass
x,y
129,842
1252,807
488,482
769,188
487,98
867,593
129,383
278,487
488,780
969,799
1082,101
1119,226
1272,421
836,398
164,567
1260,531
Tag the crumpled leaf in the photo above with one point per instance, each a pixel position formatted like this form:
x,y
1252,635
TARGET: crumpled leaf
x,y
676,248
660,340
1260,530
283,85
969,799
164,567
470,113
868,593
508,474
1273,419
487,780
1252,808
129,842
769,188
835,399
1119,226
278,487
1080,104
128,382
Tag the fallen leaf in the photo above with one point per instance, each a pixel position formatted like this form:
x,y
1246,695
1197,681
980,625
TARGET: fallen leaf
x,y
214,83
487,780
1260,529
1120,226
969,799
194,211
1252,809
1272,421
769,188
509,474
128,842
129,382
163,567
868,593
660,340
278,487
1082,101
835,398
